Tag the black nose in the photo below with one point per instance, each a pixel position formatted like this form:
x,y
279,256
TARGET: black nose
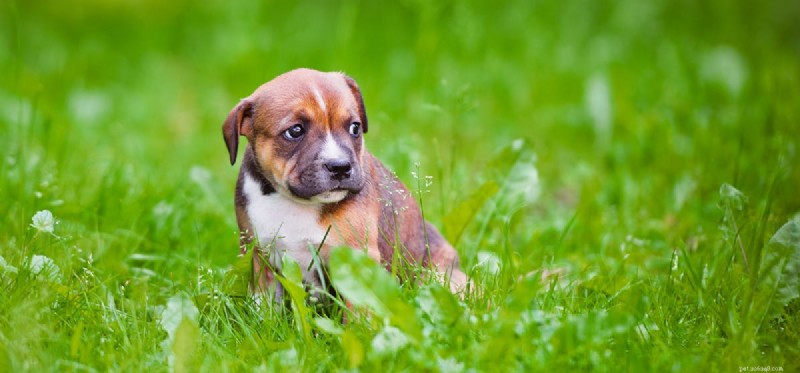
x,y
339,168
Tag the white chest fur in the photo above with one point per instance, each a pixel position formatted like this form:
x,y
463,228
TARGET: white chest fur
x,y
282,226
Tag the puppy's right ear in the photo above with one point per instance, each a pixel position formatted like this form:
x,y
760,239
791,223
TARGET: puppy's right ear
x,y
238,123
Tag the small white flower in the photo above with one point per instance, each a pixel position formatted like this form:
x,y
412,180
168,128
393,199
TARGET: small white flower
x,y
5,267
517,144
44,266
450,365
44,221
162,209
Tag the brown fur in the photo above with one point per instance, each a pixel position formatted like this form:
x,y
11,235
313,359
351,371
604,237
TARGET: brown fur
x,y
381,217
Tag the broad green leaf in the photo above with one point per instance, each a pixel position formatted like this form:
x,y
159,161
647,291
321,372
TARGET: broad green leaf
x,y
358,278
328,326
459,217
184,346
353,348
779,277
499,168
237,280
178,307
291,278
366,284
179,320
439,305
290,270
507,157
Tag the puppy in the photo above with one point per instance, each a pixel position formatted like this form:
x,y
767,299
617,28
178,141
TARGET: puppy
x,y
308,184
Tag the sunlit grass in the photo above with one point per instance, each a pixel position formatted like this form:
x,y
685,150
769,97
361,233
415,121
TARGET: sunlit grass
x,y
620,180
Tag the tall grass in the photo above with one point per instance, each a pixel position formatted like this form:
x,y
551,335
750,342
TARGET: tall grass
x,y
620,179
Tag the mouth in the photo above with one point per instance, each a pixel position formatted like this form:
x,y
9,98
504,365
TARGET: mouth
x,y
325,196
331,196
314,186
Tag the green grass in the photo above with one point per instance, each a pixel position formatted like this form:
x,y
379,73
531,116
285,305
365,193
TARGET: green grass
x,y
641,153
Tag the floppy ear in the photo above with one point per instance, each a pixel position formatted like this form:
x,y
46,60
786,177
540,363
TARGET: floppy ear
x,y
239,122
362,112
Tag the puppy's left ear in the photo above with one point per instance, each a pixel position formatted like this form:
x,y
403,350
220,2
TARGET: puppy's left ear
x,y
362,112
238,123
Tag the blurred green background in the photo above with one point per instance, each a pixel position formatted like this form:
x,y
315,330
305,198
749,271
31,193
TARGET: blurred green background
x,y
630,116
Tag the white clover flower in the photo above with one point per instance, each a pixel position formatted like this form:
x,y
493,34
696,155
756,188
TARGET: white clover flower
x,y
449,365
162,209
517,144
5,267
44,221
44,266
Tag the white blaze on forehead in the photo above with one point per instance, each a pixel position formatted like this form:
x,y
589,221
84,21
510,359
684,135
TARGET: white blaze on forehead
x,y
331,149
318,97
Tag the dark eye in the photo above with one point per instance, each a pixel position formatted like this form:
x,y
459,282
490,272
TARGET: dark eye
x,y
355,129
294,132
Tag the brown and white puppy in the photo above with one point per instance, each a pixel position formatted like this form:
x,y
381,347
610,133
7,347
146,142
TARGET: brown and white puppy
x,y
306,169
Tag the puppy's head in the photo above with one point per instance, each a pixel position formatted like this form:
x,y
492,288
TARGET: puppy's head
x,y
305,129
